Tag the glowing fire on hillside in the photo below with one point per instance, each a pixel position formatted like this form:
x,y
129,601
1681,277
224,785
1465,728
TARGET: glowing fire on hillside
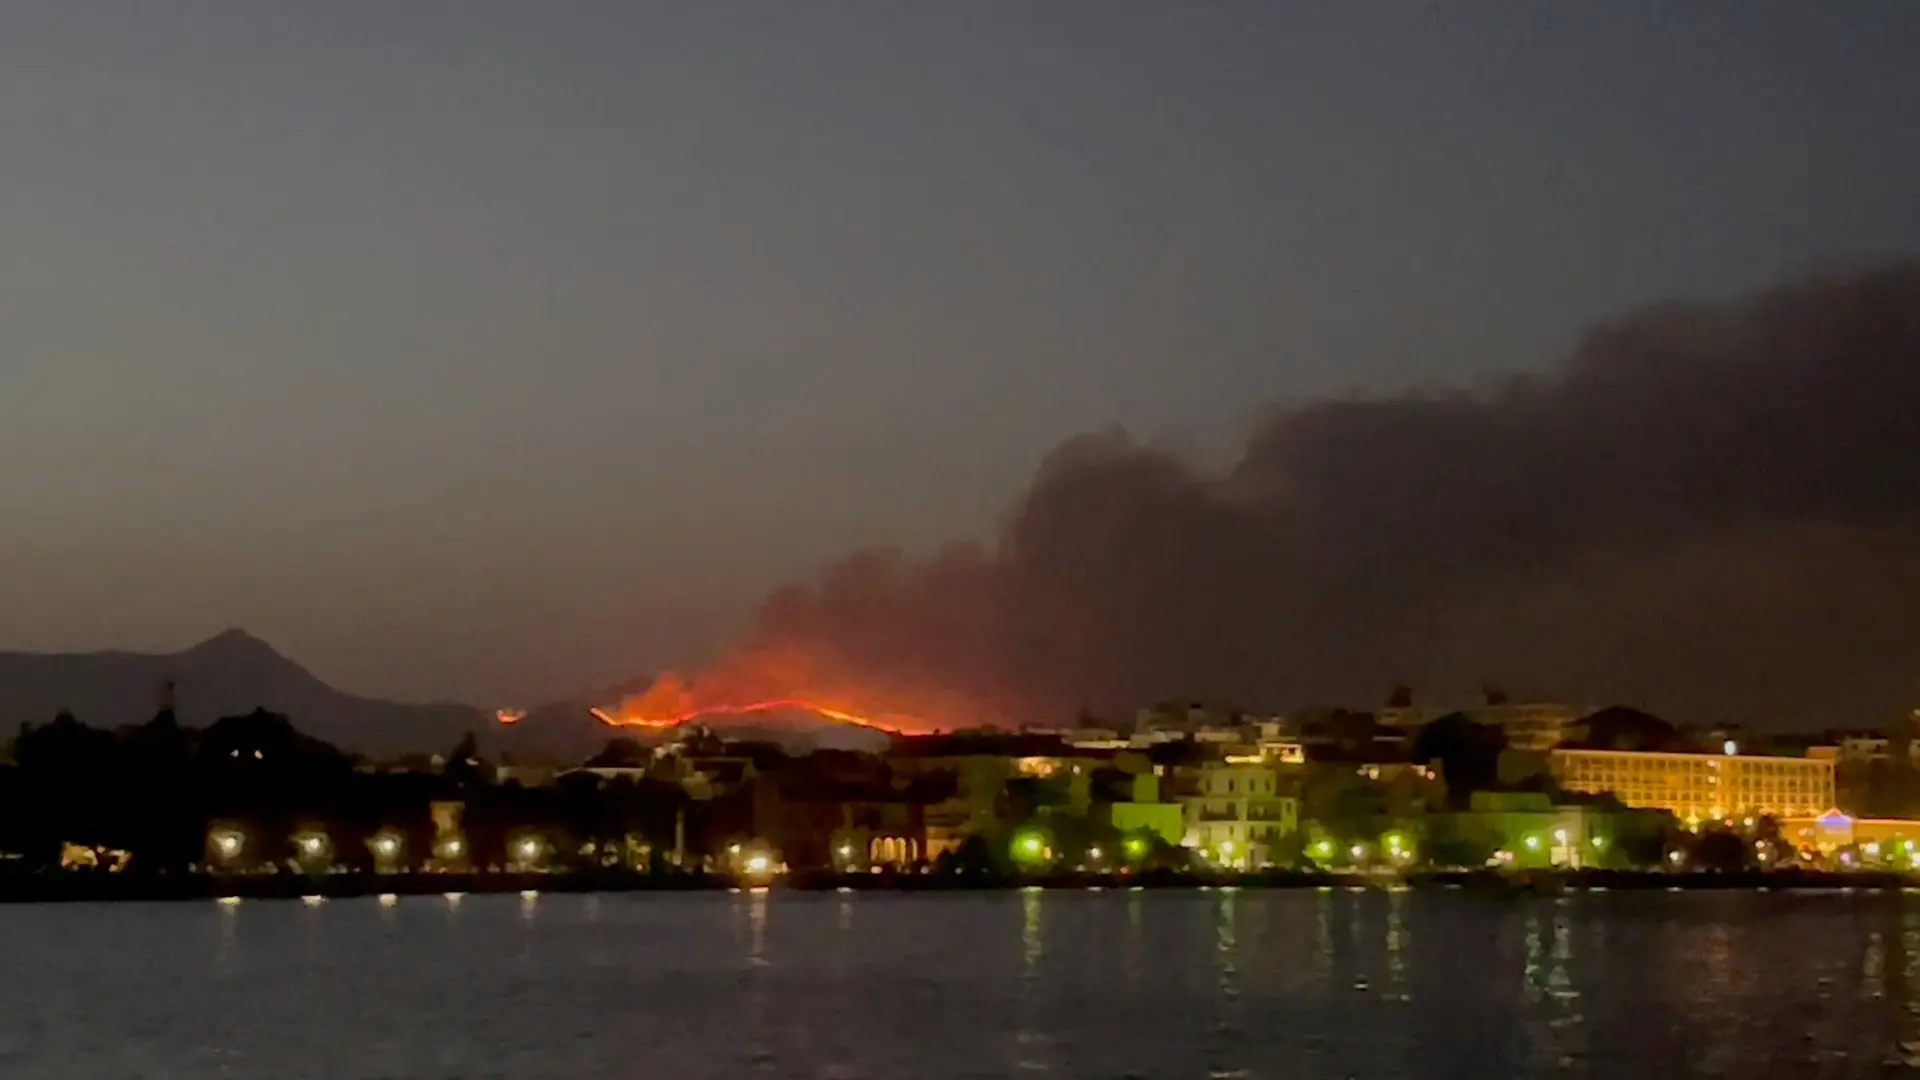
x,y
775,705
771,682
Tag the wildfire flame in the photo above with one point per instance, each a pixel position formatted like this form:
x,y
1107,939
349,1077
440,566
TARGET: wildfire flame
x,y
510,716
771,682
774,705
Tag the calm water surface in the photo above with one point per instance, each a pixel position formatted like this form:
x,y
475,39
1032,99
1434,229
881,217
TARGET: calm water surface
x,y
1336,984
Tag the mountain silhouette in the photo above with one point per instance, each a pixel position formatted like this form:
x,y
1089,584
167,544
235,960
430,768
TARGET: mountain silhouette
x,y
229,674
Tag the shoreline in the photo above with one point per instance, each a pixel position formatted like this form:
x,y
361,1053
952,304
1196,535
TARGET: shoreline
x,y
116,888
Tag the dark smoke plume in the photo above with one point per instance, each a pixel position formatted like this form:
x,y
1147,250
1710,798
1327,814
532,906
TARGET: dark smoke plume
x,y
1712,511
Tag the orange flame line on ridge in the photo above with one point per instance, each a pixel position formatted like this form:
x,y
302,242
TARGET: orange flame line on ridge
x,y
772,705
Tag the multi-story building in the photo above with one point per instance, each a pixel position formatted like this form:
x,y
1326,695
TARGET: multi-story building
x,y
1529,725
1237,814
1141,811
1282,751
1862,746
985,768
1699,787
1895,841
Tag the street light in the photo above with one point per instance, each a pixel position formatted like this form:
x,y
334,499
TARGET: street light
x,y
1030,849
386,846
312,846
227,843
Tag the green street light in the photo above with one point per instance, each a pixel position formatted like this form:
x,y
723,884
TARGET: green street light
x,y
1030,848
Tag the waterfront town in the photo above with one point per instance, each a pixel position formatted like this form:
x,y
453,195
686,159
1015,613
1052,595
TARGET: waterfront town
x,y
1179,789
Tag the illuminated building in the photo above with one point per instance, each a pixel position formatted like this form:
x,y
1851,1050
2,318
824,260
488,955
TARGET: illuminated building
x,y
1283,751
1700,787
1893,840
88,857
1235,813
981,768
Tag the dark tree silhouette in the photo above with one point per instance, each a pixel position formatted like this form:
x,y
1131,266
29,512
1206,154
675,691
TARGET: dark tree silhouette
x,y
1721,850
1468,752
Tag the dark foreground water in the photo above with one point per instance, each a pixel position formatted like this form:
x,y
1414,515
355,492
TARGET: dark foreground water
x,y
1297,984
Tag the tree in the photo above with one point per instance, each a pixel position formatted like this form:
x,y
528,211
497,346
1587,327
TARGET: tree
x,y
1721,850
65,774
975,857
464,767
160,811
621,752
1454,849
1468,752
1347,807
1618,727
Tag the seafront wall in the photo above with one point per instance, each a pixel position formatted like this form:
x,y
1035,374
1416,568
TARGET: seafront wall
x,y
104,888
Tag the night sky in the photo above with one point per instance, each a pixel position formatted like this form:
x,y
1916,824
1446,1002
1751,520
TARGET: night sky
x,y
500,350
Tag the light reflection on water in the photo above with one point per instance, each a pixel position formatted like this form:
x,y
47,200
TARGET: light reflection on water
x,y
1246,984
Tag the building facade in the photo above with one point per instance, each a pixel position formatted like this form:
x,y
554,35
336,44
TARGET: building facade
x,y
1237,814
1529,725
1142,811
1895,841
1700,787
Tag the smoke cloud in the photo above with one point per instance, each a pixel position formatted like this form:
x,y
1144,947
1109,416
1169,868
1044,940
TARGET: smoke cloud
x,y
1712,511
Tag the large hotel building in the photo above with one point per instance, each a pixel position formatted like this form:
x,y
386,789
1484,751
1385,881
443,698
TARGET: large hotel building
x,y
1699,787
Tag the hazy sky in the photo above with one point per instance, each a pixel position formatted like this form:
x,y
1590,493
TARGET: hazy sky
x,y
495,350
